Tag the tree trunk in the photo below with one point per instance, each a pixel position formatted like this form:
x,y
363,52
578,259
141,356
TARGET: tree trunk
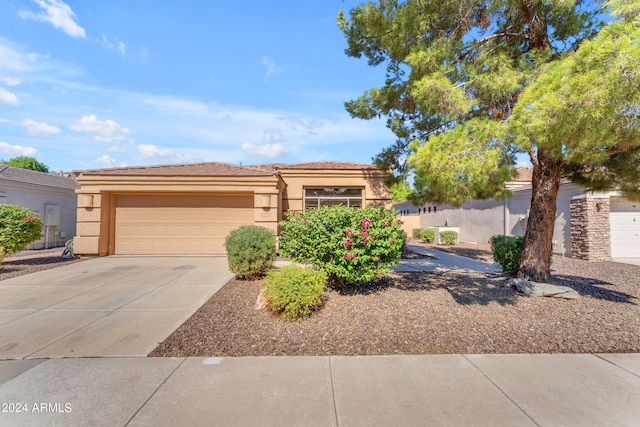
x,y
535,263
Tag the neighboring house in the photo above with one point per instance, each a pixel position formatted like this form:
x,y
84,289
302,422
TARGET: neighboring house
x,y
590,226
191,208
50,196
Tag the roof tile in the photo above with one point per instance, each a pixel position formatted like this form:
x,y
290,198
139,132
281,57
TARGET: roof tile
x,y
37,178
192,169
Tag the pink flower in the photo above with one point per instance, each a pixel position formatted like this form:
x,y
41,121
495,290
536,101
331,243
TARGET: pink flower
x,y
386,223
365,233
304,221
366,223
347,243
349,233
30,218
393,240
350,256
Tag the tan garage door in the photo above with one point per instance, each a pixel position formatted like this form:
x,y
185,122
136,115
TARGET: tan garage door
x,y
178,224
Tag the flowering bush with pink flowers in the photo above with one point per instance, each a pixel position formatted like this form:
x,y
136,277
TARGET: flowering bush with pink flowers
x,y
18,227
352,245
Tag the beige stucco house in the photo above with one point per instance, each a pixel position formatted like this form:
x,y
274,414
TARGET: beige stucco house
x,y
191,208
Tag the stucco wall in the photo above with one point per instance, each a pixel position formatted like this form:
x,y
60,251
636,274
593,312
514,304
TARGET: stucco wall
x,y
480,219
477,219
35,198
375,192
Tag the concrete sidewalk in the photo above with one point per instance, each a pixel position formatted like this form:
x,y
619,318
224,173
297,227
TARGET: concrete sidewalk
x,y
441,262
447,390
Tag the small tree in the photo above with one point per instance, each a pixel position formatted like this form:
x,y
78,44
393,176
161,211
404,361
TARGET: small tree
x,y
18,227
26,162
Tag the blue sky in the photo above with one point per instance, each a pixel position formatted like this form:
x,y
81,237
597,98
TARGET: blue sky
x,y
92,84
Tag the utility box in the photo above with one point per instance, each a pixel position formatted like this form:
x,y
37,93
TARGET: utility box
x,y
51,216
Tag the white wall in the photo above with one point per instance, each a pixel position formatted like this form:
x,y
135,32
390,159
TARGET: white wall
x,y
480,219
477,219
35,197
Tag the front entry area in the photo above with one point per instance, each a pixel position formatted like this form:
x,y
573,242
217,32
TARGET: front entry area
x,y
170,224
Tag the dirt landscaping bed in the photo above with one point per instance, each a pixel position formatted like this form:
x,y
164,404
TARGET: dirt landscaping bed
x,y
423,313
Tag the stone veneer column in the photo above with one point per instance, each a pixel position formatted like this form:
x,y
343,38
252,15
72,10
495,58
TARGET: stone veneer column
x,y
590,228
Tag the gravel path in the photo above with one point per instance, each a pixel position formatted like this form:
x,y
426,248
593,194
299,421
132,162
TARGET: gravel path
x,y
423,313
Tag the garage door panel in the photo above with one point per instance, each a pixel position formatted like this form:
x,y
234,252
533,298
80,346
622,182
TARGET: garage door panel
x,y
178,224
625,229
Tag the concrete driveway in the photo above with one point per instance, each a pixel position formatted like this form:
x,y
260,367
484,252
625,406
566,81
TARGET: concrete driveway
x,y
112,306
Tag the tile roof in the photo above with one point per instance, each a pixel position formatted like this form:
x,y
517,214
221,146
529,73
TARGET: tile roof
x,y
318,165
224,169
192,169
524,175
37,178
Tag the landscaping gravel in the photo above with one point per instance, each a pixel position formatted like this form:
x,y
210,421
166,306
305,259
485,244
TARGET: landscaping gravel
x,y
427,313
27,262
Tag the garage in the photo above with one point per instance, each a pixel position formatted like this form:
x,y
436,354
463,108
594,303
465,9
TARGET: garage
x,y
625,228
171,224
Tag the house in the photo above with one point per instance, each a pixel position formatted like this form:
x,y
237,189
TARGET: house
x,y
191,208
50,196
589,226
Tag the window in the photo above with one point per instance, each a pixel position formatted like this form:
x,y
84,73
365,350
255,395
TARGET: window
x,y
316,197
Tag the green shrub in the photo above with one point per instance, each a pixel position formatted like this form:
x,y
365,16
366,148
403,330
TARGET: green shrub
x,y
415,233
428,235
352,245
251,251
449,237
18,227
294,291
507,251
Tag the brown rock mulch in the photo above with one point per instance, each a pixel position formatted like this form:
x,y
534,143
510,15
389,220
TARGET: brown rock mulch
x,y
28,262
424,313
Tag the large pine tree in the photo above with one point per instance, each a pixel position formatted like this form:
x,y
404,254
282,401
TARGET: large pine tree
x,y
472,83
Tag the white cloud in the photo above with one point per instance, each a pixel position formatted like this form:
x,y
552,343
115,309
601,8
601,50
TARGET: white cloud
x,y
149,151
270,63
106,161
58,14
264,150
39,129
273,136
17,150
106,131
11,59
115,44
7,97
11,81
